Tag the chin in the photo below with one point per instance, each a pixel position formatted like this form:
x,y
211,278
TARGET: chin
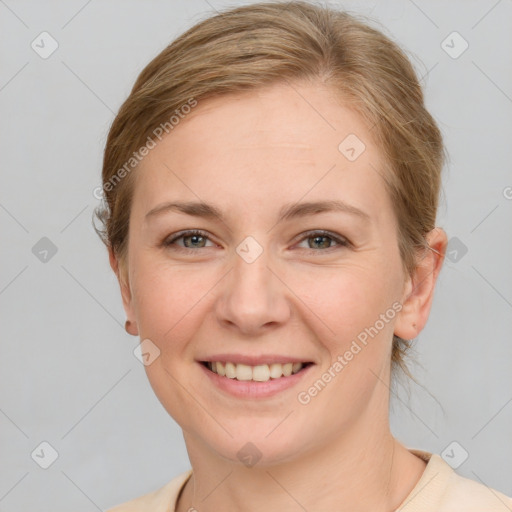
x,y
255,446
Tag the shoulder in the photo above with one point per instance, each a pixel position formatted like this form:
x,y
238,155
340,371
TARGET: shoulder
x,y
161,500
441,489
471,496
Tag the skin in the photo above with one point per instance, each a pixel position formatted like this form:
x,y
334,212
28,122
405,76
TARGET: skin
x,y
249,154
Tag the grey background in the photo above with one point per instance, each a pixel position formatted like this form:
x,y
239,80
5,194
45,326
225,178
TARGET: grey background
x,y
67,369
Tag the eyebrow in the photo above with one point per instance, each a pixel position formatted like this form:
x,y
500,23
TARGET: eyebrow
x,y
287,212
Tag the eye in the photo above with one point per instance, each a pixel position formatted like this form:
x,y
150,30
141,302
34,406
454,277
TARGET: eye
x,y
323,240
197,239
193,239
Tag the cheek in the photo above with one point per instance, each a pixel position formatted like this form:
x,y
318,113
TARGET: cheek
x,y
344,300
173,301
169,300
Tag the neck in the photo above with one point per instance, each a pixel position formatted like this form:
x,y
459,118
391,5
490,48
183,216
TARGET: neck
x,y
363,469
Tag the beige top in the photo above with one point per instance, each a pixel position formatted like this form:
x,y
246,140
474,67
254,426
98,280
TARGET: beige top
x,y
440,489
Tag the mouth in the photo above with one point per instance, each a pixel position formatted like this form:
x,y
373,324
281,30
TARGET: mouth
x,y
257,373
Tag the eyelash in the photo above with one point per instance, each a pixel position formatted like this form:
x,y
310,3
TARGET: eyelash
x,y
341,241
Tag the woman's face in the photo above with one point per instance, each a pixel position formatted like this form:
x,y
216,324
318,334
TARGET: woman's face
x,y
302,267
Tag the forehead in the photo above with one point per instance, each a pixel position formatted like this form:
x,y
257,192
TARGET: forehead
x,y
295,120
282,141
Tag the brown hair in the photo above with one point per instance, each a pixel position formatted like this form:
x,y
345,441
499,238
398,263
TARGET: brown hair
x,y
265,43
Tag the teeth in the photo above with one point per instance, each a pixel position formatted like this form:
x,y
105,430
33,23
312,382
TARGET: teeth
x,y
259,373
230,371
221,370
296,367
276,370
243,372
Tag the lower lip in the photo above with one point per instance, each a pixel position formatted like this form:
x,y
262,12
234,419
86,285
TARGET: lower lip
x,y
254,389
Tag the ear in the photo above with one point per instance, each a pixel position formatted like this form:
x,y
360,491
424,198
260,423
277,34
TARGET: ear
x,y
126,294
419,289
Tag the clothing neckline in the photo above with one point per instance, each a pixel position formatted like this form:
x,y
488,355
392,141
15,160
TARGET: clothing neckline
x,y
434,478
429,489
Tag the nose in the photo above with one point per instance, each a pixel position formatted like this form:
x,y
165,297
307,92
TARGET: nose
x,y
253,299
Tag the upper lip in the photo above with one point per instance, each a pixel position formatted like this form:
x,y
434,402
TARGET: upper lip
x,y
253,360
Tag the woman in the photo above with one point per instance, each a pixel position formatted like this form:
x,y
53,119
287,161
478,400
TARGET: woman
x,y
271,189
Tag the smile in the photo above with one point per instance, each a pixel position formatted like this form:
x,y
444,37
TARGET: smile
x,y
258,373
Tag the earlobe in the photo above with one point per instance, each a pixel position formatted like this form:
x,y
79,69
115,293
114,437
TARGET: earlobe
x,y
122,278
131,328
419,289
